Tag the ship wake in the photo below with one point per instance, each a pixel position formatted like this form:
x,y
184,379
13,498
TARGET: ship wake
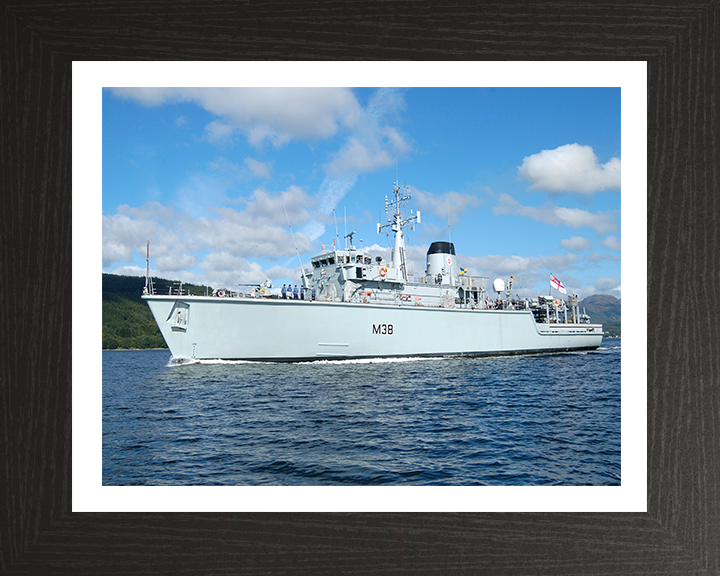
x,y
191,361
374,360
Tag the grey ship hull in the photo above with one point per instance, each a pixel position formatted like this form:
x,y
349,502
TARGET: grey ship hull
x,y
292,330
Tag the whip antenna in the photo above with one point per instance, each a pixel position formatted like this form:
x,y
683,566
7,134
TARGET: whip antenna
x,y
337,235
294,243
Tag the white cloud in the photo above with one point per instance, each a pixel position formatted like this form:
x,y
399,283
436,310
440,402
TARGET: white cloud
x,y
357,156
575,243
219,133
178,242
226,174
123,235
243,236
607,284
368,152
313,230
386,102
280,115
373,144
612,243
223,166
570,168
201,190
448,205
204,189
601,222
597,257
145,96
175,260
229,270
257,168
263,206
486,265
276,115
284,272
127,231
333,190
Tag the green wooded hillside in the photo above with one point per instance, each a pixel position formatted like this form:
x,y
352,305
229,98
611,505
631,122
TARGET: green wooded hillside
x,y
604,309
126,320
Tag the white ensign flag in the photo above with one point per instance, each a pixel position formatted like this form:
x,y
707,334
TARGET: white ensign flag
x,y
555,283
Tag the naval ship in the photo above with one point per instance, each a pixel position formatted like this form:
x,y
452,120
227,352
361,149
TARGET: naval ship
x,y
357,305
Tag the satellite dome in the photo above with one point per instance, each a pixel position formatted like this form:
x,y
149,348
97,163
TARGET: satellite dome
x,y
499,285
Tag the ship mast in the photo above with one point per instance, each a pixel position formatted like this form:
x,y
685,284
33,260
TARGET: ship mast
x,y
396,223
147,268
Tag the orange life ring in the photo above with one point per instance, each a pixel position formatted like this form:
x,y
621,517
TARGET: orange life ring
x,y
383,272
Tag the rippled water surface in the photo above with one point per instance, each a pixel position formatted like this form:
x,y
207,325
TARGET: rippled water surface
x,y
523,420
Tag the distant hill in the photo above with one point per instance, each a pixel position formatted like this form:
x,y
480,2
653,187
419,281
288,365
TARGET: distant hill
x,y
126,320
604,309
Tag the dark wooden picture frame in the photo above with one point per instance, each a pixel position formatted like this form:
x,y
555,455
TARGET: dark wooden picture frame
x,y
680,533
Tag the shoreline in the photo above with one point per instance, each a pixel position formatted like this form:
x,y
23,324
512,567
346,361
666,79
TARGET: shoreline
x,y
131,349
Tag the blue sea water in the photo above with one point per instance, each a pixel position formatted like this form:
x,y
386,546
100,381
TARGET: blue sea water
x,y
513,420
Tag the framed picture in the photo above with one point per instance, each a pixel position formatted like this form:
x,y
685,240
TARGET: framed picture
x,y
674,533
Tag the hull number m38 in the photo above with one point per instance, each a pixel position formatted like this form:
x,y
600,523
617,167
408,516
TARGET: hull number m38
x,y
383,329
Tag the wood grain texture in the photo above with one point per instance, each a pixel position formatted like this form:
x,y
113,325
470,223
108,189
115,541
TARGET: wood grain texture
x,y
680,534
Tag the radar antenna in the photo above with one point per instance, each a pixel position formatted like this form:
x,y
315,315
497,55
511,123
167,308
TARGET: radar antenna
x,y
396,223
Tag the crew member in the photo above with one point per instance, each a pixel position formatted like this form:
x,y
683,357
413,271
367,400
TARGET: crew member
x,y
284,292
295,293
313,292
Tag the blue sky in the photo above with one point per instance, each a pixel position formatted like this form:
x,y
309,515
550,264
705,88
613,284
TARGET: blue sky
x,y
525,181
